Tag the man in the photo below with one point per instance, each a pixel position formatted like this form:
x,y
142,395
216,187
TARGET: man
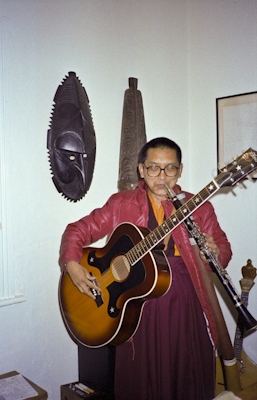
x,y
171,356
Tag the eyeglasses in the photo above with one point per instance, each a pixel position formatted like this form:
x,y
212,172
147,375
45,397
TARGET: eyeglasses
x,y
154,170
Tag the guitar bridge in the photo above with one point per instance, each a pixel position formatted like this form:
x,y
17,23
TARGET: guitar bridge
x,y
97,293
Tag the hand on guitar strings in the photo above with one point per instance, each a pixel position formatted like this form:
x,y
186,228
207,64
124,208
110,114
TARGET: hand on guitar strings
x,y
81,278
212,246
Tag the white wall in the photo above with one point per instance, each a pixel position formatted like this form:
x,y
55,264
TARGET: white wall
x,y
222,52
184,54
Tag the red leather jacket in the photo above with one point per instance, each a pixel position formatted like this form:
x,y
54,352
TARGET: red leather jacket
x,y
132,206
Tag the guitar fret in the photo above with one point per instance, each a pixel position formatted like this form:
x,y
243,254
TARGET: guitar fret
x,y
143,245
165,228
183,212
154,237
168,225
134,255
148,241
174,221
161,231
197,199
141,248
158,232
128,255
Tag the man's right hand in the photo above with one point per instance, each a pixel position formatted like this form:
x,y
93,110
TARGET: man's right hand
x,y
81,278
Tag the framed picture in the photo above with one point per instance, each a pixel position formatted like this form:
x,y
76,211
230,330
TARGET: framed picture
x,y
236,126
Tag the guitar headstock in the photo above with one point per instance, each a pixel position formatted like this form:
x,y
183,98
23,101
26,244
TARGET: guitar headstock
x,y
237,169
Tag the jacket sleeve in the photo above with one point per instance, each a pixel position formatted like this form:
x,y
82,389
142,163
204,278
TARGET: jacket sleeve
x,y
84,232
127,206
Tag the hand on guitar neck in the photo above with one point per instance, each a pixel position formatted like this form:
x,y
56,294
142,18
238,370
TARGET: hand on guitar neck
x,y
81,278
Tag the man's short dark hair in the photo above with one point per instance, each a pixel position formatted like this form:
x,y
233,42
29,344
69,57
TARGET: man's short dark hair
x,y
159,143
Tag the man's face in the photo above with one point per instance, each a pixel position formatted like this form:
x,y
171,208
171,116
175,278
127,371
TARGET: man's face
x,y
162,158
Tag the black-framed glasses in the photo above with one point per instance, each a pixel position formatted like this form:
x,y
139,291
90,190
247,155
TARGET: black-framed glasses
x,y
154,170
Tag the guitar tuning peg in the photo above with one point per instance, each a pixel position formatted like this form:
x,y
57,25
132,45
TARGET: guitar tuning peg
x,y
222,166
240,185
250,178
234,157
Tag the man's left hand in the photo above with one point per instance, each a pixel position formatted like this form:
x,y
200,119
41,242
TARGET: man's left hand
x,y
212,246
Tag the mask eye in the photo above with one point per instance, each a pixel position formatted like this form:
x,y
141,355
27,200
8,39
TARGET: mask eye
x,y
72,158
84,155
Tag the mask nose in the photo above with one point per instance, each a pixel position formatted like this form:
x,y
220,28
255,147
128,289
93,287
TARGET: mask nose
x,y
80,166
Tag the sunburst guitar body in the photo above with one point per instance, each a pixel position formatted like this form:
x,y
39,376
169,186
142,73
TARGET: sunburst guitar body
x,y
113,317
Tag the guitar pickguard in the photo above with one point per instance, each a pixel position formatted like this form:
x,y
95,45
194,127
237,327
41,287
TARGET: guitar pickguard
x,y
117,288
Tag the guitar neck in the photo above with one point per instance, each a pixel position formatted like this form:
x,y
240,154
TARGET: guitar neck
x,y
159,233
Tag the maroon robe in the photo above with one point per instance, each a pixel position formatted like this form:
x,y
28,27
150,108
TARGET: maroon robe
x,y
171,356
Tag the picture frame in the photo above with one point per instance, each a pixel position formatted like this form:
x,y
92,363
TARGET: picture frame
x,y
236,126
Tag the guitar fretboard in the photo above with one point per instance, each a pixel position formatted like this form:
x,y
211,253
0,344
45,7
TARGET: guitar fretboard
x,y
159,233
